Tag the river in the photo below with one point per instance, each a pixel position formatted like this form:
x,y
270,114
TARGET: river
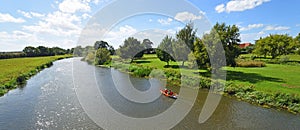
x,y
51,100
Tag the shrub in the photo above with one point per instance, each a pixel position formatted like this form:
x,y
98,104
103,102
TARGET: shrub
x,y
252,63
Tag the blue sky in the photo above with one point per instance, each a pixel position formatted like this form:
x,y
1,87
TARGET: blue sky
x,y
67,23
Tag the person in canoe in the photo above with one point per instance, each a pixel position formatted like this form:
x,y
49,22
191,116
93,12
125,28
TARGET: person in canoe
x,y
171,93
166,90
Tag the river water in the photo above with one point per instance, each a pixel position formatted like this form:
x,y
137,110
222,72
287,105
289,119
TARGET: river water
x,y
60,97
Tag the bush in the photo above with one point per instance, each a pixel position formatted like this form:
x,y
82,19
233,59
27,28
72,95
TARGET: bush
x,y
252,63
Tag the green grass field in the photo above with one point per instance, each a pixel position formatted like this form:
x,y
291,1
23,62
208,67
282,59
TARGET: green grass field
x,y
11,69
270,79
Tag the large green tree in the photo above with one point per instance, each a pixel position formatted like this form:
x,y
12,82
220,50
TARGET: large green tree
x,y
104,44
147,44
31,51
102,56
200,56
164,50
274,45
131,49
180,51
296,44
187,35
230,38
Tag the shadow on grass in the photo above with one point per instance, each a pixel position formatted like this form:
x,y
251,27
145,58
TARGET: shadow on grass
x,y
171,66
141,61
243,77
250,77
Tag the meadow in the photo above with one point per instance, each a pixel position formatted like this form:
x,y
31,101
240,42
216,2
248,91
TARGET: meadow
x,y
16,71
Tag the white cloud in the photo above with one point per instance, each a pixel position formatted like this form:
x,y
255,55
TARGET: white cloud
x,y
220,8
25,14
186,16
86,16
150,20
297,25
35,14
30,14
57,23
239,5
202,12
165,21
72,6
251,26
9,18
117,36
276,28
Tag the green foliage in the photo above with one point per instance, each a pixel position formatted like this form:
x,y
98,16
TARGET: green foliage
x,y
164,50
250,63
187,35
139,71
8,55
131,49
104,44
290,102
229,37
44,51
274,45
200,55
180,51
102,56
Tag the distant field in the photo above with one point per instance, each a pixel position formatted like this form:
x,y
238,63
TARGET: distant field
x,y
12,68
270,79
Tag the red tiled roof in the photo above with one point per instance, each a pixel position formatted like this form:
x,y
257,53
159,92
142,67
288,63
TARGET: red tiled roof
x,y
243,45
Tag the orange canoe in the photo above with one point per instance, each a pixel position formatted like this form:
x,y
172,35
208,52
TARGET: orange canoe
x,y
174,96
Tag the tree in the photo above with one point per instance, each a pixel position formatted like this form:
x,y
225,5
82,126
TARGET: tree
x,y
131,49
274,45
200,54
214,49
187,35
102,56
180,51
164,50
43,51
77,51
147,44
104,44
296,44
230,38
30,51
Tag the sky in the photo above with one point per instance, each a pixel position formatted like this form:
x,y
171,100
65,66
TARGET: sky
x,y
68,23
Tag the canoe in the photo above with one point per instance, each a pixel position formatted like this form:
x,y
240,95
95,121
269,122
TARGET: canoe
x,y
174,96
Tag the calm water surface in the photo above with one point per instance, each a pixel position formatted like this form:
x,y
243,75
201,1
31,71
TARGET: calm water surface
x,y
49,101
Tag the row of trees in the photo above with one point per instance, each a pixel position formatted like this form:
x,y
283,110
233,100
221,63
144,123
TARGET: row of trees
x,y
45,51
8,55
188,47
276,45
30,51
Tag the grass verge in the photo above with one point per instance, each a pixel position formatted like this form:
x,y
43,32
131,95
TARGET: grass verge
x,y
15,72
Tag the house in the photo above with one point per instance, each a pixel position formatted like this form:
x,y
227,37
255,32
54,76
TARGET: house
x,y
244,45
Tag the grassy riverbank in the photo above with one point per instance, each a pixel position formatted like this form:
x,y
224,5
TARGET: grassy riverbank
x,y
276,85
15,72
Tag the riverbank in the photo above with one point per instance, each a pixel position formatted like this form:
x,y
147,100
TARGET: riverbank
x,y
15,72
265,91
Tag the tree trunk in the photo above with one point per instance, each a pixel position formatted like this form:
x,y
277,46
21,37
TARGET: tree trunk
x,y
182,63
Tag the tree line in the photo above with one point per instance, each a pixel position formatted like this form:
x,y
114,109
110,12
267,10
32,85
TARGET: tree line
x,y
276,45
220,45
30,51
